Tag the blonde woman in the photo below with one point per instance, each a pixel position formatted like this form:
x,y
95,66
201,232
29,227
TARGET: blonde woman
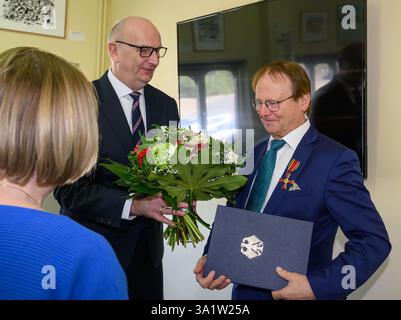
x,y
48,137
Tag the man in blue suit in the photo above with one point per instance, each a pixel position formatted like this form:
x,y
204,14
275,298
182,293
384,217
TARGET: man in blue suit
x,y
314,179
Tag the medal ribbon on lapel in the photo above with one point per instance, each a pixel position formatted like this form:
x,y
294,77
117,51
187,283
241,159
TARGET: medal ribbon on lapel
x,y
294,164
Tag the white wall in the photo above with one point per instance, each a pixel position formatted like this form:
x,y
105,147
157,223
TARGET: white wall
x,y
179,280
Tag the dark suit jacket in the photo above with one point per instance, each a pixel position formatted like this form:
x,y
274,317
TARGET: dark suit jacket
x,y
338,116
332,195
95,201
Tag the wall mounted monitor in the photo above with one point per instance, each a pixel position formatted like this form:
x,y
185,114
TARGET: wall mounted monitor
x,y
218,54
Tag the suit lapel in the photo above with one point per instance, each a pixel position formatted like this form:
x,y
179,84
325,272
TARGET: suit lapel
x,y
149,99
301,154
112,111
160,109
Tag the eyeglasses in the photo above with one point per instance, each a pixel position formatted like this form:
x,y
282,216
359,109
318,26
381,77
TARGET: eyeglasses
x,y
146,52
272,105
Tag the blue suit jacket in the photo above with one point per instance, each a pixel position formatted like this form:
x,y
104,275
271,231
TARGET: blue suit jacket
x,y
332,195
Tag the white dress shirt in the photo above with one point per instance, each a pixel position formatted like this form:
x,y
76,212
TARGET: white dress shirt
x,y
123,94
284,156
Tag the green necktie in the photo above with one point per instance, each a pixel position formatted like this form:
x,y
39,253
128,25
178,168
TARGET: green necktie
x,y
263,177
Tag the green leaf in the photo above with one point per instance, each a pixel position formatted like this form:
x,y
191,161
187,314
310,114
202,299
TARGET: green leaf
x,y
122,183
201,195
228,183
203,181
185,173
204,173
120,170
143,189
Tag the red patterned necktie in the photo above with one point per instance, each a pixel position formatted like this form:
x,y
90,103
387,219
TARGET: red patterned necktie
x,y
137,121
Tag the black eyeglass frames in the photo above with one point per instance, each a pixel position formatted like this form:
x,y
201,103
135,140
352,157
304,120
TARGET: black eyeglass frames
x,y
272,105
146,52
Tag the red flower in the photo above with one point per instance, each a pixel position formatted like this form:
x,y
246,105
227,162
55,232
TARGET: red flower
x,y
141,155
202,146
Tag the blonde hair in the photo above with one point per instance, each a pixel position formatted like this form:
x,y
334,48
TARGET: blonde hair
x,y
297,75
48,116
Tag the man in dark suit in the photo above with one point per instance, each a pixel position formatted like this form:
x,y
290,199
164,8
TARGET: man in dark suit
x,y
128,105
337,107
315,179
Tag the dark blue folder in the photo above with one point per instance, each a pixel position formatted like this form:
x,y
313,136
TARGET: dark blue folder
x,y
247,247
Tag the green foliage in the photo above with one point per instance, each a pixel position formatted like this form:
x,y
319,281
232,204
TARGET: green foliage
x,y
179,182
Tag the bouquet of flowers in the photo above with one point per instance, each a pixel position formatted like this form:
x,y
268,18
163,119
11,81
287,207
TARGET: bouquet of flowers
x,y
184,166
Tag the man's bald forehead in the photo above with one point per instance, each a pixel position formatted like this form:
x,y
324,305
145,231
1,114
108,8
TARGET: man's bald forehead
x,y
130,21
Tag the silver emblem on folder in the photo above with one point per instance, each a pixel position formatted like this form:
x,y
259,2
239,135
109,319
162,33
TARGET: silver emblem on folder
x,y
252,247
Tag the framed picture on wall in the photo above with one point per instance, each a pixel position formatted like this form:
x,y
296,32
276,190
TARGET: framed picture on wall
x,y
314,26
45,17
209,33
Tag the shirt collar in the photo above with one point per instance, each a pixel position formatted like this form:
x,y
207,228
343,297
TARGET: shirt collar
x,y
120,88
293,138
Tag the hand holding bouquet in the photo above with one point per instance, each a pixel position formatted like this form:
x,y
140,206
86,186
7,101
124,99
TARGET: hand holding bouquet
x,y
184,166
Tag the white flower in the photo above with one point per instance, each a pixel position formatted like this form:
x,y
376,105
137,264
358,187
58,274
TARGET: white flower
x,y
161,153
185,135
231,157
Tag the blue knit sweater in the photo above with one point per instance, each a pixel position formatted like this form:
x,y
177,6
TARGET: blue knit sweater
x,y
46,256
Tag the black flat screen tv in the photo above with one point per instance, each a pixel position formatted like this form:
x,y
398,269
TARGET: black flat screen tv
x,y
219,53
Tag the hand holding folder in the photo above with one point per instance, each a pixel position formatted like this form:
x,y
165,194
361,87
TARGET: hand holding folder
x,y
208,281
247,248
